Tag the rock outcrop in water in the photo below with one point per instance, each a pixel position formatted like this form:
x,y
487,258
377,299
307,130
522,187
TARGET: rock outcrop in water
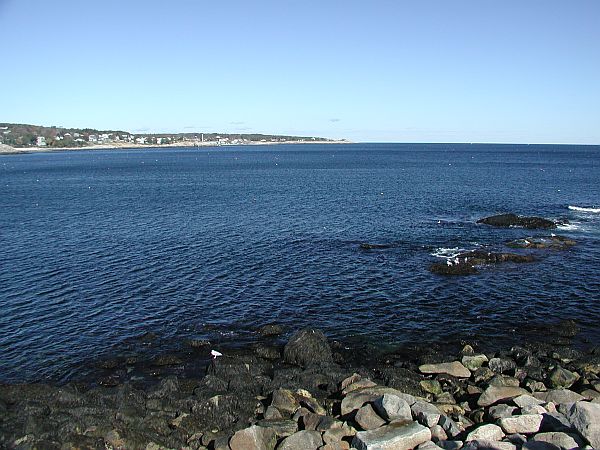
x,y
466,263
512,220
542,243
524,398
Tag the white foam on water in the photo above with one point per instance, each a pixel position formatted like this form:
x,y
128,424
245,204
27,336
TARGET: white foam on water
x,y
582,209
569,227
447,253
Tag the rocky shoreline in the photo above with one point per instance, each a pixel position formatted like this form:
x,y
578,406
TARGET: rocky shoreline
x,y
314,394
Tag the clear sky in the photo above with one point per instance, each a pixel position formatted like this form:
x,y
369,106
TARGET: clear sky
x,y
418,71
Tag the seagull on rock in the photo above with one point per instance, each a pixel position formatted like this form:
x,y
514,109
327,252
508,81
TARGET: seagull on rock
x,y
215,354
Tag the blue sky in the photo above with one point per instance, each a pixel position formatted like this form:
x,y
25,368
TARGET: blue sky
x,y
420,71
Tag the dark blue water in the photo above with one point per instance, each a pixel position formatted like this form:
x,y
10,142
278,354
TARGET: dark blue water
x,y
98,247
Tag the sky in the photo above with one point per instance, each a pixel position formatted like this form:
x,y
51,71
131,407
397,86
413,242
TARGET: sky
x,y
368,71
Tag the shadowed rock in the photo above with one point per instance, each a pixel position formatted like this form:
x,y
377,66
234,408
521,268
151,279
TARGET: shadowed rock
x,y
512,220
307,348
465,263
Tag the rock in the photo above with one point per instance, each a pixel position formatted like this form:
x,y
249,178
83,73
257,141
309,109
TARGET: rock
x,y
488,445
450,426
432,386
361,383
308,347
512,220
270,330
525,400
545,242
391,407
474,362
455,368
585,418
334,435
494,394
272,413
267,352
367,418
305,440
359,397
199,343
501,365
454,269
395,436
450,445
438,433
535,445
282,428
533,409
167,360
429,445
426,413
559,396
488,432
595,384
445,398
285,401
500,411
561,440
562,378
555,421
503,380
253,438
523,424
590,394
368,246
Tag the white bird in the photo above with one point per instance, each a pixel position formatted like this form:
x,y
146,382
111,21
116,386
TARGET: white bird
x,y
456,261
448,262
215,354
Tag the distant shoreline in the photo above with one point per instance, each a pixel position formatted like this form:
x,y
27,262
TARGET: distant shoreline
x,y
7,150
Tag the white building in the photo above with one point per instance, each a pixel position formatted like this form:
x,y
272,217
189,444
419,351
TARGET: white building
x,y
41,141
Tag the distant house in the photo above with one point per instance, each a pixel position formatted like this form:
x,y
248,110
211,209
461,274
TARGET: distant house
x,y
92,138
41,141
140,140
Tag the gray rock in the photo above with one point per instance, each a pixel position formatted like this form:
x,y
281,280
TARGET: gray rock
x,y
429,445
391,407
488,445
438,433
285,401
504,380
533,409
488,432
524,424
253,438
555,421
282,428
359,397
308,347
474,362
562,378
455,368
585,418
501,365
445,398
559,396
450,426
272,413
305,440
526,400
270,330
535,445
367,418
432,386
494,394
567,441
395,436
500,411
450,445
426,413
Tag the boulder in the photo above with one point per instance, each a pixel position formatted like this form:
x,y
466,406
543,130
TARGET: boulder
x,y
501,365
539,243
494,394
432,386
513,220
308,347
455,368
270,330
562,378
285,401
561,440
426,413
474,362
522,424
391,407
305,440
282,428
253,438
367,418
559,396
395,436
489,445
355,399
526,400
488,432
585,418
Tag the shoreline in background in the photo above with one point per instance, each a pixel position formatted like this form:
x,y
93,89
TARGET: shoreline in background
x,y
8,150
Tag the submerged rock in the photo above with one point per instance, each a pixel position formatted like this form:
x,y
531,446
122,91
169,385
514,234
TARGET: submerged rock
x,y
512,220
540,243
465,263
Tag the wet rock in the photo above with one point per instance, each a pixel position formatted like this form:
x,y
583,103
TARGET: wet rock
x,y
512,220
253,438
392,407
494,394
454,368
305,439
488,432
395,436
282,428
474,362
167,360
501,365
270,330
523,424
585,418
267,352
199,343
547,242
308,347
432,386
453,269
367,418
562,378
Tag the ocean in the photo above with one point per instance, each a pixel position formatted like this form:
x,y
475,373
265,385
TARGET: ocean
x,y
98,248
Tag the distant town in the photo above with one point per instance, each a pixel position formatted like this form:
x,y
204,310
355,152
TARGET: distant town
x,y
22,136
